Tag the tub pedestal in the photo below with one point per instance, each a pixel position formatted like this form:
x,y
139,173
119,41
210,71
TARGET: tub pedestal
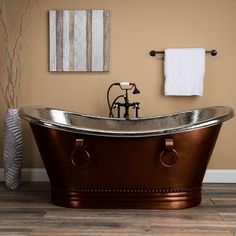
x,y
133,199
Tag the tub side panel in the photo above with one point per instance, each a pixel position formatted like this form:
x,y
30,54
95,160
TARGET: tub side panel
x,y
127,171
194,149
126,162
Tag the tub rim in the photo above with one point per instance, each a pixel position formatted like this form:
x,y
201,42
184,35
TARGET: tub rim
x,y
224,113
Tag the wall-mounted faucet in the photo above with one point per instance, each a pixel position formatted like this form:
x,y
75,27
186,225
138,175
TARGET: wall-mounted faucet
x,y
126,104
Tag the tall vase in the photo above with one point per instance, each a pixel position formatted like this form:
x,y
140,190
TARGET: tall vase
x,y
12,150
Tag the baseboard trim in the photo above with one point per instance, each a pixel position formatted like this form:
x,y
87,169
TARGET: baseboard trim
x,y
211,176
220,176
30,175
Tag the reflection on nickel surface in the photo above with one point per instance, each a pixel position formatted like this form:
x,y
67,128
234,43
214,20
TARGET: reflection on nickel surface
x,y
146,126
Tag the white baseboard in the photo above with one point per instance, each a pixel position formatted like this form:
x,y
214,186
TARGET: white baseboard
x,y
30,175
211,176
220,176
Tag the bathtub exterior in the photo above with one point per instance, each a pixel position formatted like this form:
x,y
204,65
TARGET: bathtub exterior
x,y
158,172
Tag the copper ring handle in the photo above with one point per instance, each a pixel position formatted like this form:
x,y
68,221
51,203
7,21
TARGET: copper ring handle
x,y
168,159
79,156
169,156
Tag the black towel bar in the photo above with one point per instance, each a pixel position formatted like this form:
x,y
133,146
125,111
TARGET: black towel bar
x,y
153,52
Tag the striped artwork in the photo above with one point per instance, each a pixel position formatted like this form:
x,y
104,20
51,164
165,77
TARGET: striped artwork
x,y
79,40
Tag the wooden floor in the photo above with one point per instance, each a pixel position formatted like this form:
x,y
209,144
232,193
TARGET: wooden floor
x,y
28,211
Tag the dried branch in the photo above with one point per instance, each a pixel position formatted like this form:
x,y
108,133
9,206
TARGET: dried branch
x,y
10,90
2,91
19,36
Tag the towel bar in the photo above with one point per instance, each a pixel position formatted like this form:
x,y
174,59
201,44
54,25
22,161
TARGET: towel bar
x,y
153,52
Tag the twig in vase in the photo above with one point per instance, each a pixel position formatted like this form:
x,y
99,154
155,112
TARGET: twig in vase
x,y
13,49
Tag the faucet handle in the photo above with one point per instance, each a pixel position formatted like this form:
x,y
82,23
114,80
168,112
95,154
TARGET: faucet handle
x,y
136,105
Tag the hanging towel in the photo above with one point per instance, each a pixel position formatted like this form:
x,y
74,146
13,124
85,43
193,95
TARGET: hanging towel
x,y
184,71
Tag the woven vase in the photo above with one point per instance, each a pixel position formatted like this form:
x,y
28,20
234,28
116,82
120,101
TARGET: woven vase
x,y
12,150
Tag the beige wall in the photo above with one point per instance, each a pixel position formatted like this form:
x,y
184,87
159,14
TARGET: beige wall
x,y
137,26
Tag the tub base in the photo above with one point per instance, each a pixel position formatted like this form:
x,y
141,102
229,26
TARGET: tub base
x,y
131,199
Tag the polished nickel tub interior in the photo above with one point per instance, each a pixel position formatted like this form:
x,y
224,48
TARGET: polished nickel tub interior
x,y
146,126
150,162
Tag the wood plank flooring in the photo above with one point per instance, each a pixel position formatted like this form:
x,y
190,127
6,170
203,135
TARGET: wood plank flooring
x,y
28,211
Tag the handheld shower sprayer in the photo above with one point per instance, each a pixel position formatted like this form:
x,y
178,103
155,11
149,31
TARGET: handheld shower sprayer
x,y
129,86
123,86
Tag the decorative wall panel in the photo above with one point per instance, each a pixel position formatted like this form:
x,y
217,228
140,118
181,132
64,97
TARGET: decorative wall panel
x,y
79,40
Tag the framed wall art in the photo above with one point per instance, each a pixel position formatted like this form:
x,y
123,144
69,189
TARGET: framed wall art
x,y
79,40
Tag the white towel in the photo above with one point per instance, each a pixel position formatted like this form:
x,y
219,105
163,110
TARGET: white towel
x,y
184,71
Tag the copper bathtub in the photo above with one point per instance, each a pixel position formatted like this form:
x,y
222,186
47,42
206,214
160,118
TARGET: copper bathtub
x,y
154,162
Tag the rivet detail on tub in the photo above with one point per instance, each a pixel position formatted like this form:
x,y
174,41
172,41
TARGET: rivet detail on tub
x,y
177,190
